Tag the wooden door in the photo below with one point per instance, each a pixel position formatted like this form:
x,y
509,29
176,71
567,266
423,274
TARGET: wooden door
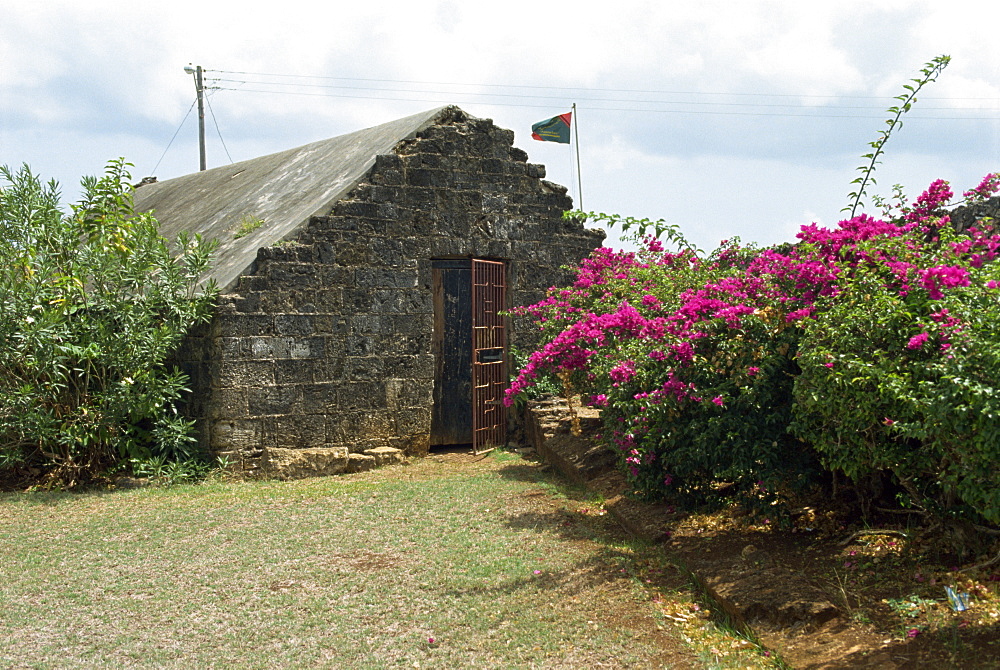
x,y
451,417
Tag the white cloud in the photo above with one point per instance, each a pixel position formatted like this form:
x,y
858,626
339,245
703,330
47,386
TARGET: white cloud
x,y
84,82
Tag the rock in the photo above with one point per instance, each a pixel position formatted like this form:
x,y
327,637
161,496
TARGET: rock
x,y
126,482
360,462
385,456
282,463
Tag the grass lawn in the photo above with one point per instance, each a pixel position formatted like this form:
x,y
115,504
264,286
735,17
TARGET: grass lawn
x,y
450,562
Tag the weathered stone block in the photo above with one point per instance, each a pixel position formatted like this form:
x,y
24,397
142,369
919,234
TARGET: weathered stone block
x,y
322,398
405,393
301,431
227,403
363,395
274,400
292,275
364,368
245,373
294,324
388,162
281,463
413,421
243,325
416,445
235,435
385,456
293,371
360,345
360,462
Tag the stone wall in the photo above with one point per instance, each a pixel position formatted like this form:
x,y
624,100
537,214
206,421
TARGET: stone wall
x,y
327,342
964,217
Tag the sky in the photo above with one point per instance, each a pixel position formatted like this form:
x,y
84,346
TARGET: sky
x,y
744,118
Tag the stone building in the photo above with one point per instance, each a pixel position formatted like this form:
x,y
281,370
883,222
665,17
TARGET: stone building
x,y
361,283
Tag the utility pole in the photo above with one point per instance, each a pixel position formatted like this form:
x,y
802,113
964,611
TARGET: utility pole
x,y
200,89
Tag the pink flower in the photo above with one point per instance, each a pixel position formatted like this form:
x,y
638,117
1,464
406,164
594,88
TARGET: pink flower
x,y
623,372
718,400
651,301
917,341
943,276
987,187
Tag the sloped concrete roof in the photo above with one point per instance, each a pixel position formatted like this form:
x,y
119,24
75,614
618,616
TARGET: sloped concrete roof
x,y
283,190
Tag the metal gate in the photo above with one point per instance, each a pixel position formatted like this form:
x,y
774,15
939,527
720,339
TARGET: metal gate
x,y
489,344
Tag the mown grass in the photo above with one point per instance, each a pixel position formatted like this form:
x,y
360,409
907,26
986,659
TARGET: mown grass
x,y
487,567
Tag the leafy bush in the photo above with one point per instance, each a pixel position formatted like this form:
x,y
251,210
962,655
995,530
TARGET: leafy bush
x,y
691,358
901,369
91,305
864,348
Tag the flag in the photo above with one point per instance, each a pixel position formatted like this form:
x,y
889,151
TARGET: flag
x,y
555,129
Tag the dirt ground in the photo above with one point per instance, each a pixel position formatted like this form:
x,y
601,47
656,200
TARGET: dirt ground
x,y
819,589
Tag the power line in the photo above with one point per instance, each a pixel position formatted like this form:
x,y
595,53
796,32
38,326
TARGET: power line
x,y
173,138
217,130
583,89
607,109
549,97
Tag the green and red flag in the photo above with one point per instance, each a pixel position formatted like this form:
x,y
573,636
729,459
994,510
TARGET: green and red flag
x,y
555,129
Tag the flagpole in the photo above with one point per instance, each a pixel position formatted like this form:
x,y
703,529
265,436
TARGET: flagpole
x,y
576,134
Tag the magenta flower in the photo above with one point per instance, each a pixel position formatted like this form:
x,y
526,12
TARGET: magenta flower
x,y
623,372
599,400
987,187
651,301
917,341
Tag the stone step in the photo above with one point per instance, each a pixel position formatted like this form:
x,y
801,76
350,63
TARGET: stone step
x,y
278,463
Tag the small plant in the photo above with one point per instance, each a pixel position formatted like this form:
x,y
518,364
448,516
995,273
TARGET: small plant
x,y
247,225
911,607
163,472
930,73
635,229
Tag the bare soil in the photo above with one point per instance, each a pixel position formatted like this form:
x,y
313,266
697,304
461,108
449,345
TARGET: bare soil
x,y
818,588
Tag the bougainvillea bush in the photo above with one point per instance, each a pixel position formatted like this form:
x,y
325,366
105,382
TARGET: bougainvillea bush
x,y
864,348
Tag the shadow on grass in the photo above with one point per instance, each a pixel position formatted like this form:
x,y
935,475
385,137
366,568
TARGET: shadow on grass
x,y
576,515
50,498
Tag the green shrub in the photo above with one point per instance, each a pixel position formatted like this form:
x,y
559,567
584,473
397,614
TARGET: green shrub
x,y
907,384
91,305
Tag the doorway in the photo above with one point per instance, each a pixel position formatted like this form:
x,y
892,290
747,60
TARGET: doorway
x,y
470,353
